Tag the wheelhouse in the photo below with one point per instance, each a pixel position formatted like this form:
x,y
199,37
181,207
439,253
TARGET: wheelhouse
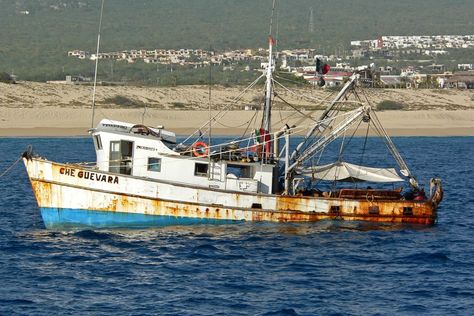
x,y
149,152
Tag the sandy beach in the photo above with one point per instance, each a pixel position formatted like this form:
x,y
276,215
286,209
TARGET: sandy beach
x,y
39,109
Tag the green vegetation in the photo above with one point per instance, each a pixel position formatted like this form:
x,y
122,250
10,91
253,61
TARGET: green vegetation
x,y
178,105
170,75
6,78
34,46
389,105
123,101
290,79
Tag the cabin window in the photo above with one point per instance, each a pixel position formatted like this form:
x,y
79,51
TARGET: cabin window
x,y
154,164
408,211
97,142
239,171
114,164
200,169
121,157
334,209
374,210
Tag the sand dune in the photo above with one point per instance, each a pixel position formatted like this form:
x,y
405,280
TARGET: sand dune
x,y
36,109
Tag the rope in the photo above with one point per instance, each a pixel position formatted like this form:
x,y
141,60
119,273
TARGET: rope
x,y
240,125
298,83
308,97
254,120
222,112
294,108
365,144
10,167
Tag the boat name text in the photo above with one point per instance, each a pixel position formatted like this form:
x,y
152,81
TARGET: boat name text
x,y
115,126
147,148
89,175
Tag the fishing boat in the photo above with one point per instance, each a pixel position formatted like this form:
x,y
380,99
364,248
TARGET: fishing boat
x,y
144,177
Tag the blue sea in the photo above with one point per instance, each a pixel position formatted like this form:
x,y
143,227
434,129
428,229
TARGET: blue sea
x,y
325,268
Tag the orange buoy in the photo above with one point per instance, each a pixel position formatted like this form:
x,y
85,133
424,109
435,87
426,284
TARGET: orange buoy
x,y
200,149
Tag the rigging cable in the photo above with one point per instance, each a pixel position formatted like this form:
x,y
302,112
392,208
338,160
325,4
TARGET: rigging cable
x,y
96,63
250,123
240,125
357,127
294,108
10,167
297,83
224,111
393,150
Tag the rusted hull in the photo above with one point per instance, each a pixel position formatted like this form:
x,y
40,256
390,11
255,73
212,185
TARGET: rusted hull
x,y
70,195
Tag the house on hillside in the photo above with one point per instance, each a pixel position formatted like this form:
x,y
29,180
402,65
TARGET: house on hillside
x,y
465,66
437,67
391,81
461,80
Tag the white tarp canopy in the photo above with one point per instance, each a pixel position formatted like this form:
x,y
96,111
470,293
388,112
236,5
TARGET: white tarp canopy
x,y
344,171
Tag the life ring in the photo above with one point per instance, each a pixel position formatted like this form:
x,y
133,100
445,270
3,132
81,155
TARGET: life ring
x,y
200,149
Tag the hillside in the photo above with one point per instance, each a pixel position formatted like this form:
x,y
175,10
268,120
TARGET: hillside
x,y
36,34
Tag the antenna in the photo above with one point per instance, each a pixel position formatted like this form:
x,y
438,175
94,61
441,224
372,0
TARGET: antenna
x,y
96,64
210,121
277,32
311,21
271,18
143,114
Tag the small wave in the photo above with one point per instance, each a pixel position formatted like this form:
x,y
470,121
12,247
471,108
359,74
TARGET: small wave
x,y
38,234
412,309
424,257
240,305
427,272
16,301
208,251
458,292
253,239
204,235
282,312
94,235
205,251
205,248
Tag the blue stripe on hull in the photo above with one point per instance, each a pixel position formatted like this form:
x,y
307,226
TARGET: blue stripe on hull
x,y
70,218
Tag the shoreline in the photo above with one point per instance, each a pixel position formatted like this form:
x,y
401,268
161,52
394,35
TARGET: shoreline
x,y
67,122
74,132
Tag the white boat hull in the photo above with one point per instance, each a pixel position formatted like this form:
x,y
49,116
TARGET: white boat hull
x,y
72,195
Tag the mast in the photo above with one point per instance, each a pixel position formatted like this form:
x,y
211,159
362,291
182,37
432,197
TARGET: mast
x,y
266,122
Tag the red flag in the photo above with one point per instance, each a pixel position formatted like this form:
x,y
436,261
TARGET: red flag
x,y
271,40
326,69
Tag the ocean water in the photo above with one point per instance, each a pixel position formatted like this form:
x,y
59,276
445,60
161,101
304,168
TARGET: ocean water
x,y
325,268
